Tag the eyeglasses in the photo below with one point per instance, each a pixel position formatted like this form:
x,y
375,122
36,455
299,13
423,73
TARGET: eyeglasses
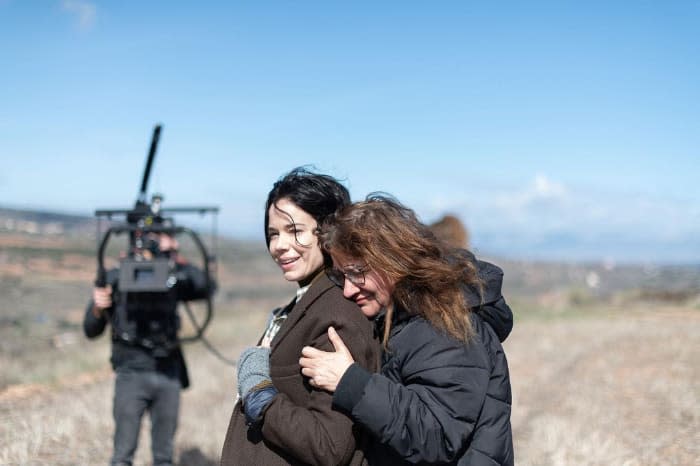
x,y
355,275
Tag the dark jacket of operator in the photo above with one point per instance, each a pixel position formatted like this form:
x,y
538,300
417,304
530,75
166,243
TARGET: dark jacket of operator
x,y
145,324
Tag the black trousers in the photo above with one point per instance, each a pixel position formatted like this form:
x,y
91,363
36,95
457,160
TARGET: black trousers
x,y
134,394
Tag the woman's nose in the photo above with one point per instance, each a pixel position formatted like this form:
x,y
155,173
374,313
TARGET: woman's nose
x,y
282,242
349,289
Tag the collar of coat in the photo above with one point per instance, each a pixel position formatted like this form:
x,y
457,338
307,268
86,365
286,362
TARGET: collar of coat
x,y
318,286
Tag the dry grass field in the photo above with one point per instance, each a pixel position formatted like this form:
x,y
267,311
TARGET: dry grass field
x,y
603,372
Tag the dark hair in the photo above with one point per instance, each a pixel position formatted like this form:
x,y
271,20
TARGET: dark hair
x,y
428,277
316,194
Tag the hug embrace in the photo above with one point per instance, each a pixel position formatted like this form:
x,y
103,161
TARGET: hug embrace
x,y
428,383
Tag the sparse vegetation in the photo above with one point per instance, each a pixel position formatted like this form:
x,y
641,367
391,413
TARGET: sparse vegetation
x,y
603,374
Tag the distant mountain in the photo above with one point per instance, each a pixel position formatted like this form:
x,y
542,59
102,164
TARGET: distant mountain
x,y
44,223
567,246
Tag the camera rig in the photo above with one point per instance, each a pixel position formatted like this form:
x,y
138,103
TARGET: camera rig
x,y
144,269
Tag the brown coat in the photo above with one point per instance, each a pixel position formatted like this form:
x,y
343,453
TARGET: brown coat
x,y
300,427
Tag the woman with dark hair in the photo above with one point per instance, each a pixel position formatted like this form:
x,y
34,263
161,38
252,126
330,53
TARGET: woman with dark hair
x,y
279,418
443,393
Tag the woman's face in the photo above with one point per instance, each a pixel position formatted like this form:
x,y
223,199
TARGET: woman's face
x,y
293,241
364,286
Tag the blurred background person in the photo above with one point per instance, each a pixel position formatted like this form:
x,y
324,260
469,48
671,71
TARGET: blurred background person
x,y
146,354
451,230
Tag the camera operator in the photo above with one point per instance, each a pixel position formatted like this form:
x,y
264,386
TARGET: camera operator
x,y
146,355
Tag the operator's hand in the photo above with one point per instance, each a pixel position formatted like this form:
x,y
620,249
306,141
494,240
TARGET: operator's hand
x,y
325,369
102,297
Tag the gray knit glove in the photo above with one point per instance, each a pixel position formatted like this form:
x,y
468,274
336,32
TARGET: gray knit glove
x,y
253,369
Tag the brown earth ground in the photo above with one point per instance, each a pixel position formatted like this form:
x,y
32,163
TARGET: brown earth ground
x,y
598,390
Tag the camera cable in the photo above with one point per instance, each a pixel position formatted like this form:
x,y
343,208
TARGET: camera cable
x,y
206,342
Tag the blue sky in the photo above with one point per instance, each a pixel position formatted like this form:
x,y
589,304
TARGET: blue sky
x,y
558,130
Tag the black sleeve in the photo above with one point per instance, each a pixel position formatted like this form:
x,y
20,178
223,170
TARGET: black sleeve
x,y
351,387
193,284
93,326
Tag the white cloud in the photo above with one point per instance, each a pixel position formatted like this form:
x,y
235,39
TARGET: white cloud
x,y
553,219
545,205
542,191
544,187
86,12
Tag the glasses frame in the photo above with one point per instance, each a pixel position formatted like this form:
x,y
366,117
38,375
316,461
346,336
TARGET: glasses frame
x,y
356,276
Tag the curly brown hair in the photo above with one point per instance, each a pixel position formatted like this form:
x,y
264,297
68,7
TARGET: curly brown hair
x,y
429,276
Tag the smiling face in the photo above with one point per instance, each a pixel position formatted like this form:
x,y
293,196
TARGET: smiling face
x,y
293,243
372,293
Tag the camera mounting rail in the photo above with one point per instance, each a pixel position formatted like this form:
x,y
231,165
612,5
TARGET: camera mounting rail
x,y
147,218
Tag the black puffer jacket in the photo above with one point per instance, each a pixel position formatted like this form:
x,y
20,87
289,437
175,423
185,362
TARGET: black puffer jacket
x,y
437,400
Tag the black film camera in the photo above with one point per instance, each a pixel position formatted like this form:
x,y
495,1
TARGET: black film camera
x,y
145,268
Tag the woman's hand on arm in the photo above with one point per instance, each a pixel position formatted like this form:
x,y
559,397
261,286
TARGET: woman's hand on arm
x,y
325,369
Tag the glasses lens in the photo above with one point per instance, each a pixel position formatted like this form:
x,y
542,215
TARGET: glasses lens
x,y
356,276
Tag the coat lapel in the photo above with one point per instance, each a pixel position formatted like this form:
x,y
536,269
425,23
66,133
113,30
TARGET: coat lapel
x,y
318,287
